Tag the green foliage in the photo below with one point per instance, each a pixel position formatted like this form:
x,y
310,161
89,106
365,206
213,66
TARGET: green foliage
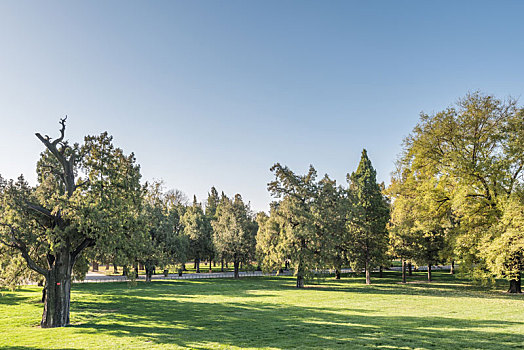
x,y
111,203
197,229
291,233
332,209
367,228
60,218
503,247
234,230
464,164
163,241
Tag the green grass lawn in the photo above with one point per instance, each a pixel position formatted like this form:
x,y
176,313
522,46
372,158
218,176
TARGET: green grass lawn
x,y
269,313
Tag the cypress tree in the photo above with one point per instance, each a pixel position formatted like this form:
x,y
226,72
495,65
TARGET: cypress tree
x,y
371,213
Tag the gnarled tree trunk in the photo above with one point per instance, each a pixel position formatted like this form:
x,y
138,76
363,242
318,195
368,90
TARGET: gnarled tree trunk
x,y
58,292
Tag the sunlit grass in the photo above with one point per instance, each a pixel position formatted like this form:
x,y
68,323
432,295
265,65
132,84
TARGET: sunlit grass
x,y
270,313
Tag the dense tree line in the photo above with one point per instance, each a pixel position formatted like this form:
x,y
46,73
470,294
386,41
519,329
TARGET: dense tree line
x,y
457,195
316,224
89,205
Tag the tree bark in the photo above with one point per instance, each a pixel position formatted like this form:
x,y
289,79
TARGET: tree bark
x,y
337,273
58,293
300,281
403,271
222,265
368,273
452,270
149,273
115,268
236,264
410,269
95,266
429,272
380,272
515,285
197,265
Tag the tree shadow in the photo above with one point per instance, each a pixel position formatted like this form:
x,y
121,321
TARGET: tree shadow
x,y
443,285
34,348
16,297
250,323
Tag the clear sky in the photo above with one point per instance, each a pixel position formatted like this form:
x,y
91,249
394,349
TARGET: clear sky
x,y
215,92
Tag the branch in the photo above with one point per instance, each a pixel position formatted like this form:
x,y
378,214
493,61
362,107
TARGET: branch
x,y
83,183
62,132
514,178
67,164
18,244
87,242
40,209
441,202
8,244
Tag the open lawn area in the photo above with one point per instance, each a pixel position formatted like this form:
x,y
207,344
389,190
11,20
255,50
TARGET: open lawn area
x,y
270,313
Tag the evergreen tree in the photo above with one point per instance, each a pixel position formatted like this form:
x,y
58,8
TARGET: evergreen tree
x,y
198,229
212,203
211,214
290,232
87,197
234,232
162,241
331,210
368,225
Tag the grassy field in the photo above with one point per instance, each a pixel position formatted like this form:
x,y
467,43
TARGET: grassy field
x,y
270,313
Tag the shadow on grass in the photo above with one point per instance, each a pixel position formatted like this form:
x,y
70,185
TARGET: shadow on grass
x,y
14,298
150,314
443,285
33,348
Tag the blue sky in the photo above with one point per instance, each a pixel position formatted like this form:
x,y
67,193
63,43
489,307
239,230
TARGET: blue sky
x,y
215,92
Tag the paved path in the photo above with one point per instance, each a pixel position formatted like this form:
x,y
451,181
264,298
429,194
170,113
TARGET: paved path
x,y
95,277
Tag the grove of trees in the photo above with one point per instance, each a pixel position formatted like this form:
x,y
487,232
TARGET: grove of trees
x,y
456,197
